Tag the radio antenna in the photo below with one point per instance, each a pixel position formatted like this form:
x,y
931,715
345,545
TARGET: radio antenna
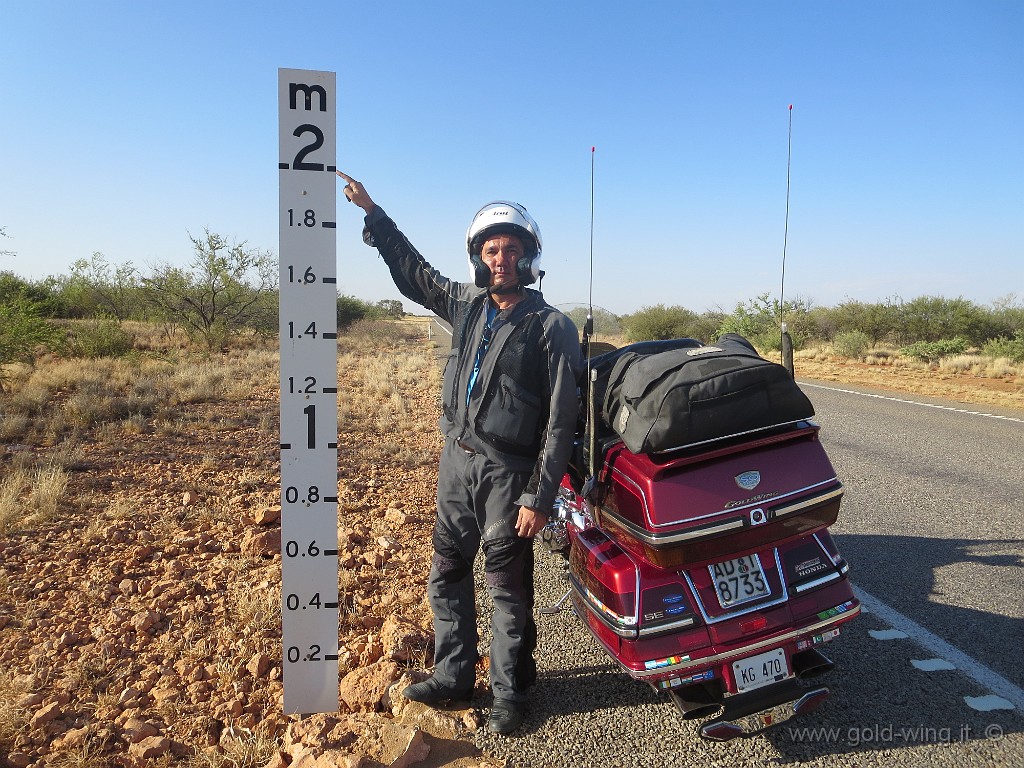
x,y
590,290
588,332
785,342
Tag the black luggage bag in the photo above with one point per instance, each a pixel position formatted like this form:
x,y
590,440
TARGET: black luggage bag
x,y
667,396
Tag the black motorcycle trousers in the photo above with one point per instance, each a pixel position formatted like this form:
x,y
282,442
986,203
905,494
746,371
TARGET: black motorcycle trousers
x,y
476,509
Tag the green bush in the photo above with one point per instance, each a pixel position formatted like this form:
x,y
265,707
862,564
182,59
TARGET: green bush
x,y
350,309
661,322
932,351
851,343
22,330
1004,347
102,337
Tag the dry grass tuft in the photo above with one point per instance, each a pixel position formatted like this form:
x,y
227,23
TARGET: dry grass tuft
x,y
31,496
13,719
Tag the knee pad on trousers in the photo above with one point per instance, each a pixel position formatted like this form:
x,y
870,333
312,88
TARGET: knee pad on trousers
x,y
447,560
504,562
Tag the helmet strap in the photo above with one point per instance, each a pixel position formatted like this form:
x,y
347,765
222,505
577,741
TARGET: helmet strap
x,y
501,290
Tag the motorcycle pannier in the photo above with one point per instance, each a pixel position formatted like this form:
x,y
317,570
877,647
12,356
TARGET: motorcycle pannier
x,y
668,399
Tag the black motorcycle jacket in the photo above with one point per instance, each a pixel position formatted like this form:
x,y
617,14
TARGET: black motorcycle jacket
x,y
523,407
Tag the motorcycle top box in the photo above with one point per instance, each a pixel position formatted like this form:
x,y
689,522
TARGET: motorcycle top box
x,y
696,505
707,569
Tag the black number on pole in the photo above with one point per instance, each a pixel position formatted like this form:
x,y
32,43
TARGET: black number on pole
x,y
307,277
310,411
300,163
309,389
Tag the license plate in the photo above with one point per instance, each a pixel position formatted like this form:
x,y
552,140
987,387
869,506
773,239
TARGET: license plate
x,y
760,670
739,581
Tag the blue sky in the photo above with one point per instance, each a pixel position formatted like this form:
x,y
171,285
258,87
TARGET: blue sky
x,y
125,126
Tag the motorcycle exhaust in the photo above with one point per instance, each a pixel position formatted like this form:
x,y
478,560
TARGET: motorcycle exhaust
x,y
811,663
695,701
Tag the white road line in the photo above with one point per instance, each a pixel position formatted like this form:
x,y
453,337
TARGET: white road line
x,y
435,322
977,671
912,402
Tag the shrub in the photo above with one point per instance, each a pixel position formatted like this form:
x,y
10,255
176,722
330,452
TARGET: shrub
x,y
851,343
350,309
102,337
661,322
932,351
1012,349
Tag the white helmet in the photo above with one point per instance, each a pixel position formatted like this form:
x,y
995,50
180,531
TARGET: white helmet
x,y
502,217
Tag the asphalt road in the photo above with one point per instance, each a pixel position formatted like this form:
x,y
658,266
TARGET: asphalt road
x,y
932,526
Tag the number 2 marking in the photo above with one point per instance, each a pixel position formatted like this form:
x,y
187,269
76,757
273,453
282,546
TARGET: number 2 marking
x,y
300,163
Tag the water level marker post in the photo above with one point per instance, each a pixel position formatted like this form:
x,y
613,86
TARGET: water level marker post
x,y
309,389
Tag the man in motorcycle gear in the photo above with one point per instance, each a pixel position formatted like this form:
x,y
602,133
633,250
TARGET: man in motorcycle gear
x,y
509,413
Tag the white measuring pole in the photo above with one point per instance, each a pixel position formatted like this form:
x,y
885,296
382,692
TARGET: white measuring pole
x,y
309,390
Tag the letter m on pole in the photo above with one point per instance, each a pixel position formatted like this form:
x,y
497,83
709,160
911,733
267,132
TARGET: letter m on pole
x,y
307,91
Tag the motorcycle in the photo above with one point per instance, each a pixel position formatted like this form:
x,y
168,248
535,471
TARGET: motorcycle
x,y
706,569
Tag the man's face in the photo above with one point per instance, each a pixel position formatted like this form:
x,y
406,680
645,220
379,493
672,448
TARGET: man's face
x,y
501,254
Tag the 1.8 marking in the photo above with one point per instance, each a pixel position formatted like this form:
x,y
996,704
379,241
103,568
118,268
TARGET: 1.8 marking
x,y
308,219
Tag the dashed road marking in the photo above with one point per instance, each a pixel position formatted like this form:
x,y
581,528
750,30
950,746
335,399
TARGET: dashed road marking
x,y
1010,695
888,634
987,703
932,665
913,402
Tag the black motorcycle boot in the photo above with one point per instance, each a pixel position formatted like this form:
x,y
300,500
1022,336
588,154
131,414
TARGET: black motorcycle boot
x,y
506,716
432,691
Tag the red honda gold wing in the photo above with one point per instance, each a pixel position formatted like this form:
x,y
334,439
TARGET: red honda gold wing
x,y
707,570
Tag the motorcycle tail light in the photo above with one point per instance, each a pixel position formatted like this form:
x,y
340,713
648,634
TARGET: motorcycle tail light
x,y
755,624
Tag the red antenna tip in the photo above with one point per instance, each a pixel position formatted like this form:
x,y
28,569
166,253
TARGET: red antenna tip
x,y
592,149
790,107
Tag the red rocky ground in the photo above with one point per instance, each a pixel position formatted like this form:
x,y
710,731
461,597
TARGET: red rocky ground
x,y
143,626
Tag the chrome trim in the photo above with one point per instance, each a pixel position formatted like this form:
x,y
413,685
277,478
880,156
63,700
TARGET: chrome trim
x,y
746,650
649,538
808,503
651,631
734,434
757,722
783,597
825,550
817,582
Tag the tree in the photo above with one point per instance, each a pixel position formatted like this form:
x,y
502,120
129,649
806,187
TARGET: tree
x,y
933,318
226,288
99,288
46,302
759,320
659,322
390,308
22,330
